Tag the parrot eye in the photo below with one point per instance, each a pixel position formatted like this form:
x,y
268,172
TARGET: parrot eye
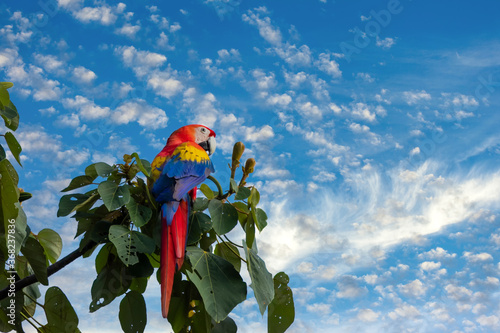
x,y
203,129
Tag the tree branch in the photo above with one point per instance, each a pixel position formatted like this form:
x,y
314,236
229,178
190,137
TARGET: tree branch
x,y
29,280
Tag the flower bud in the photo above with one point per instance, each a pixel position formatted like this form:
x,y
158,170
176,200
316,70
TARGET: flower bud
x,y
249,166
238,150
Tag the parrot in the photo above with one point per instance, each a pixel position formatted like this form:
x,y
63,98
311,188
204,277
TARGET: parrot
x,y
182,165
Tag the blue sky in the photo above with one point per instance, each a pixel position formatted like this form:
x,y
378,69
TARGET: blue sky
x,y
374,125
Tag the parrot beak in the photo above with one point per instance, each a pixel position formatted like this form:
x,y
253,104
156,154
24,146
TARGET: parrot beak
x,y
209,145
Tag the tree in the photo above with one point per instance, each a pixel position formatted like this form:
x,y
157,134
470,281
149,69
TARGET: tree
x,y
117,218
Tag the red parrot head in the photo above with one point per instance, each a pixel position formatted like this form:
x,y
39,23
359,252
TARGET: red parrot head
x,y
199,134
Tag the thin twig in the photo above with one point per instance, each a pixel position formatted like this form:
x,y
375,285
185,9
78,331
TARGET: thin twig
x,y
230,241
29,280
231,249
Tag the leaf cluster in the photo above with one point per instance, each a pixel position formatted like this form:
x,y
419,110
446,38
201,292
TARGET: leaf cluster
x,y
23,252
118,220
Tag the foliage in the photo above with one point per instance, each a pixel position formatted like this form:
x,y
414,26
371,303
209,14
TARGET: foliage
x,y
117,218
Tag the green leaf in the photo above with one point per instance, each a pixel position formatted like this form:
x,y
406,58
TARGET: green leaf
x,y
14,146
10,116
260,218
9,192
3,155
224,216
281,312
129,243
199,223
143,165
143,268
91,171
200,204
60,314
132,313
89,203
243,211
33,251
52,244
24,196
232,185
226,326
139,284
6,85
103,169
262,280
139,214
242,193
250,230
22,229
112,281
254,197
78,182
69,202
207,191
207,239
4,94
102,257
114,196
220,285
229,252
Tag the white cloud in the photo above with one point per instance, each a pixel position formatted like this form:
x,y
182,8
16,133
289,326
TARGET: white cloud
x,y
310,111
203,109
267,31
68,120
365,77
103,14
385,43
69,4
349,287
490,321
37,143
142,62
357,128
295,80
458,293
164,84
416,97
254,134
430,265
51,64
437,254
128,30
367,315
321,309
479,257
331,67
415,151
282,100
50,111
271,171
86,108
301,56
360,110
231,55
147,116
324,177
83,75
404,311
413,289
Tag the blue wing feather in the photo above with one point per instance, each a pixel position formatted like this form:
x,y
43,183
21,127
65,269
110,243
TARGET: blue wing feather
x,y
178,177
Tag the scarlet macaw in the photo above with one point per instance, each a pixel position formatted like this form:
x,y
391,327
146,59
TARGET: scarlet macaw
x,y
177,170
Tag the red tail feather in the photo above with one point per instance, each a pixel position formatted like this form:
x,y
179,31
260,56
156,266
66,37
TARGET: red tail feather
x,y
173,248
167,267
